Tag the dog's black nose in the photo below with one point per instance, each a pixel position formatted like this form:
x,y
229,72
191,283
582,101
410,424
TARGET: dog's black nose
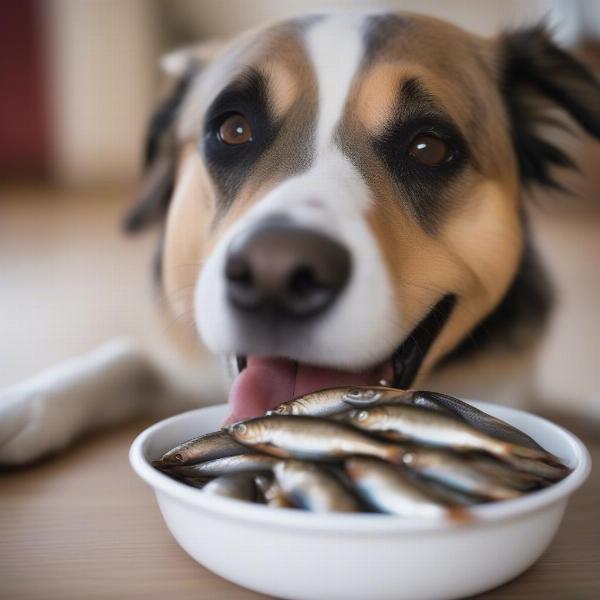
x,y
282,268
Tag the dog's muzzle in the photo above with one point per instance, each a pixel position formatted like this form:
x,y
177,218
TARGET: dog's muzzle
x,y
278,268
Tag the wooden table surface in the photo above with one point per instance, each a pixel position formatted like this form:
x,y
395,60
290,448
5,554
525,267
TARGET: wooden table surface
x,y
82,525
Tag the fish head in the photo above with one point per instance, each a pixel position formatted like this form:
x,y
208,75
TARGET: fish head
x,y
362,395
364,417
172,458
245,432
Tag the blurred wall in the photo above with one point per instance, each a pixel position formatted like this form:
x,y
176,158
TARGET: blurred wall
x,y
102,58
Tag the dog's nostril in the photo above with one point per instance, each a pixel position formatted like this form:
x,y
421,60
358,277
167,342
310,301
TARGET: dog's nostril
x,y
238,270
281,268
303,282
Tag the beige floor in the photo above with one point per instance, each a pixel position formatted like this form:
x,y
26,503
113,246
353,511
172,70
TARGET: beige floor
x,y
69,279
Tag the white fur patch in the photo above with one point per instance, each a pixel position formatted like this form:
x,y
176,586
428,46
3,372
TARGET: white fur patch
x,y
335,49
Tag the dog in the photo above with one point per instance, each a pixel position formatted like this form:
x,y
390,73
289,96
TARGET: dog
x,y
343,200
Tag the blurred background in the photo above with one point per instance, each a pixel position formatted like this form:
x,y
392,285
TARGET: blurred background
x,y
78,79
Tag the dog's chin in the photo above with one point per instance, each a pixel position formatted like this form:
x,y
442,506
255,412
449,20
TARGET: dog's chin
x,y
266,381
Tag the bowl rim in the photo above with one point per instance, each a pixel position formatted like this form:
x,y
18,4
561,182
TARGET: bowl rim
x,y
342,523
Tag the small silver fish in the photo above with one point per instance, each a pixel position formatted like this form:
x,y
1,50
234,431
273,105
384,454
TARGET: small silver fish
x,y
457,473
390,490
312,488
405,422
239,486
322,403
310,438
477,418
367,397
224,466
209,446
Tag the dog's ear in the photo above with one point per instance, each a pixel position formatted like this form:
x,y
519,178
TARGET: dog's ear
x,y
154,192
536,71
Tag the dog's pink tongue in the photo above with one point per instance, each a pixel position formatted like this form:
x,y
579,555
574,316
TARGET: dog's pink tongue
x,y
267,382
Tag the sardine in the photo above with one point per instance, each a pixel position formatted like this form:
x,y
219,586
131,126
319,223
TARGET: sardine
x,y
322,403
312,488
202,448
224,466
310,438
477,418
405,422
457,473
239,486
367,397
391,490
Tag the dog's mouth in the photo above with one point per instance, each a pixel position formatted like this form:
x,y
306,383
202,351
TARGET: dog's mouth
x,y
265,382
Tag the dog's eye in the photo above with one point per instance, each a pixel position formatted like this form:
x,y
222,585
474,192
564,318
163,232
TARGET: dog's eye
x,y
430,151
235,130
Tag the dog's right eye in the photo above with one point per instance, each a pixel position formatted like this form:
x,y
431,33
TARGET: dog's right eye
x,y
235,130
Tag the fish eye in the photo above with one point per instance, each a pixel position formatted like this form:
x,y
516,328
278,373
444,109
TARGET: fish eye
x,y
408,458
362,415
235,130
240,428
430,150
179,457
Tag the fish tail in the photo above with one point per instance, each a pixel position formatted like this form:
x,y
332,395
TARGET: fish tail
x,y
534,454
460,514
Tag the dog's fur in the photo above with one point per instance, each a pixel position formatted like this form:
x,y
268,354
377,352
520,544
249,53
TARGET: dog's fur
x,y
334,101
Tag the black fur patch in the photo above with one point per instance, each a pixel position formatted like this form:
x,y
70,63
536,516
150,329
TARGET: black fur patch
x,y
160,153
379,30
425,189
532,65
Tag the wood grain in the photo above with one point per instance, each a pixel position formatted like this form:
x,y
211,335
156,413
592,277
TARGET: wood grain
x,y
82,525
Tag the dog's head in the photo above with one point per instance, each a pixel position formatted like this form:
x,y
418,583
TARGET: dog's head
x,y
345,192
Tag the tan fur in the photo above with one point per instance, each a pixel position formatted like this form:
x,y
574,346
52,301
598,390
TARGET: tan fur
x,y
375,96
186,233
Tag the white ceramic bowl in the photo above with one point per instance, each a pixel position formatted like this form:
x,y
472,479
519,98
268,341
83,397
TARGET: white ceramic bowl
x,y
299,555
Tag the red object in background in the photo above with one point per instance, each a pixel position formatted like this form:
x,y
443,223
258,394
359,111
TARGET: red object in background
x,y
24,119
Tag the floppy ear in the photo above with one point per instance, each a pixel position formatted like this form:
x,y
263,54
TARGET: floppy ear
x,y
154,192
534,69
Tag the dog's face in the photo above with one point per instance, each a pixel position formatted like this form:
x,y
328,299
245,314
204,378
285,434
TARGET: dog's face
x,y
346,204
